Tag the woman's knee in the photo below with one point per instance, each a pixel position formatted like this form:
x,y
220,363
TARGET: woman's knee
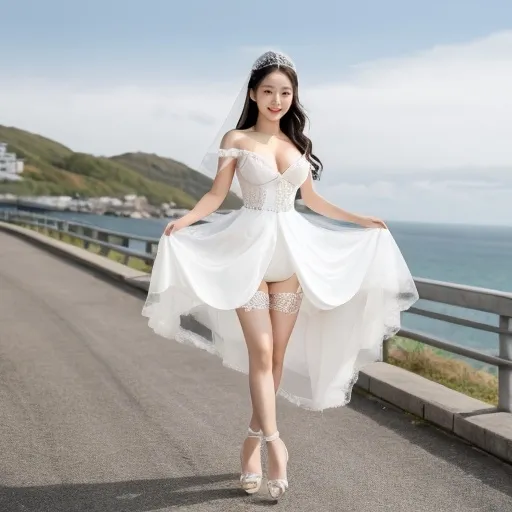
x,y
260,357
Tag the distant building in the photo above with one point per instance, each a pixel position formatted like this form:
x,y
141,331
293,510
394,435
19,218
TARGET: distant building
x,y
10,166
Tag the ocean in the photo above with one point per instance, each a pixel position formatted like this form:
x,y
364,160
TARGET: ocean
x,y
470,255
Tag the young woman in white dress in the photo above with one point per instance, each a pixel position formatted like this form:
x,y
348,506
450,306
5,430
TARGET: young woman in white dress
x,y
331,295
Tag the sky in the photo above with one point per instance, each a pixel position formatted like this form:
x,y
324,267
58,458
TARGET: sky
x,y
409,102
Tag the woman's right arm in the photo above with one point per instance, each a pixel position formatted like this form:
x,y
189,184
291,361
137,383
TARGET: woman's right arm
x,y
212,200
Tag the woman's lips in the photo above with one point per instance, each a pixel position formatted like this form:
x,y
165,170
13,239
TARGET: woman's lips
x,y
275,110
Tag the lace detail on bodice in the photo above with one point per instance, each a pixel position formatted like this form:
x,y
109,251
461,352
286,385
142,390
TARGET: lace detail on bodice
x,y
274,197
262,186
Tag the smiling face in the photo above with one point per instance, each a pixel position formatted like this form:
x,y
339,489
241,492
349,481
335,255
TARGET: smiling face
x,y
273,95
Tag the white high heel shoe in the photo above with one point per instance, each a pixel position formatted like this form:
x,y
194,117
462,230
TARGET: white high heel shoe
x,y
250,482
278,486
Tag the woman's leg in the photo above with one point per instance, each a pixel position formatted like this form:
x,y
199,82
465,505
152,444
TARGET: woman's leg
x,y
284,302
255,322
285,298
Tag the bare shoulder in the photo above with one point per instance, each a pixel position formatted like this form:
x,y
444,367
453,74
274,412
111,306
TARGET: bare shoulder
x,y
232,139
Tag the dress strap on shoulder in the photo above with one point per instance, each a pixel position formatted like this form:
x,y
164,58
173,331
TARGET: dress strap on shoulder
x,y
230,152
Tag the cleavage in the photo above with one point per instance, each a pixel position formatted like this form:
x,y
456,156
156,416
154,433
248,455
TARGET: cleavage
x,y
272,161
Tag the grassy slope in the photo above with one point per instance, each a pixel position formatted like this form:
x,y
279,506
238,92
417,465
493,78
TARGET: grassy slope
x,y
53,169
173,173
445,368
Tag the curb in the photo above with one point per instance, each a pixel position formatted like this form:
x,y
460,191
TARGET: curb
x,y
478,423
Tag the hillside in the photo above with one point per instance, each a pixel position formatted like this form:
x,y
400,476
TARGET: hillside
x,y
53,169
172,173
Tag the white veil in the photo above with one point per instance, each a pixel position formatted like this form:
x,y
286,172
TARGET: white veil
x,y
210,164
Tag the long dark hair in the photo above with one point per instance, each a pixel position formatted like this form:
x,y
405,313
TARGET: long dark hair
x,y
292,123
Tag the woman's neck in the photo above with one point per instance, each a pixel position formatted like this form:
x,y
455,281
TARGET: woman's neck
x,y
267,127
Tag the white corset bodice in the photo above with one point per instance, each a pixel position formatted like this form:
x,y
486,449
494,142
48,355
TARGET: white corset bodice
x,y
263,187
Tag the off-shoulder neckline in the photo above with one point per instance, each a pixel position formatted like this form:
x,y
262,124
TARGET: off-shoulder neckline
x,y
265,159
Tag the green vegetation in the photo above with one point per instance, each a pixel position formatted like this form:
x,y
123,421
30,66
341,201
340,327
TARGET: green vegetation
x,y
175,174
443,367
53,169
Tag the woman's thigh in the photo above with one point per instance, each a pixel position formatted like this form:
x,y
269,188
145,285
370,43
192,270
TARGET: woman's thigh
x,y
284,303
256,325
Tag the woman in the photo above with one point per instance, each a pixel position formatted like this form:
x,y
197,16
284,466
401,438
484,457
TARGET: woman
x,y
266,281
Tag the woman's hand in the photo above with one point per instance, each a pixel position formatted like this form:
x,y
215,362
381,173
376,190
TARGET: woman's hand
x,y
175,225
372,222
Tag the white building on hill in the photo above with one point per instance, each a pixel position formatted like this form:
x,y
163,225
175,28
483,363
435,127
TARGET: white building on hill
x,y
10,166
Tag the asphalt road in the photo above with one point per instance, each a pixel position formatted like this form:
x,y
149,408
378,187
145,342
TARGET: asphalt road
x,y
99,414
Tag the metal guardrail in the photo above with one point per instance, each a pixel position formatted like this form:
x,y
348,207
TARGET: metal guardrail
x,y
106,239
469,297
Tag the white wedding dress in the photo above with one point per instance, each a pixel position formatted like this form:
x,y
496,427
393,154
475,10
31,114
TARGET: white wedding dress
x,y
355,283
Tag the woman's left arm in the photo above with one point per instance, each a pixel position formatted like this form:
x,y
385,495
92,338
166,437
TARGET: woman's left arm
x,y
320,205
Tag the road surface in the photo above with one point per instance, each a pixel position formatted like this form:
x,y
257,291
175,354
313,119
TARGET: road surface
x,y
99,414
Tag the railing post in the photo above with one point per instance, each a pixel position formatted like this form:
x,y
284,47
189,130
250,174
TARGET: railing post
x,y
385,350
60,227
504,373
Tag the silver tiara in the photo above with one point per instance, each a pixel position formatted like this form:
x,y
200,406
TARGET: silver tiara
x,y
272,58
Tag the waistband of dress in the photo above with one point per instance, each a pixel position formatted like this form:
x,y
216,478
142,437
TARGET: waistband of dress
x,y
270,208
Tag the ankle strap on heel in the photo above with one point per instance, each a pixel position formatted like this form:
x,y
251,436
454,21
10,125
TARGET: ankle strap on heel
x,y
272,437
254,433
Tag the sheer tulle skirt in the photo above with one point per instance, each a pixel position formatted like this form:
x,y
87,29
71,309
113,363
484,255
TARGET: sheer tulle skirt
x,y
355,284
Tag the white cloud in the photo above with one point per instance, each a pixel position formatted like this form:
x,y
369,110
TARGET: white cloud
x,y
449,106
444,110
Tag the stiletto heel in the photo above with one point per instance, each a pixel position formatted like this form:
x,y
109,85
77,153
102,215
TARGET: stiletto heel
x,y
277,486
250,482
